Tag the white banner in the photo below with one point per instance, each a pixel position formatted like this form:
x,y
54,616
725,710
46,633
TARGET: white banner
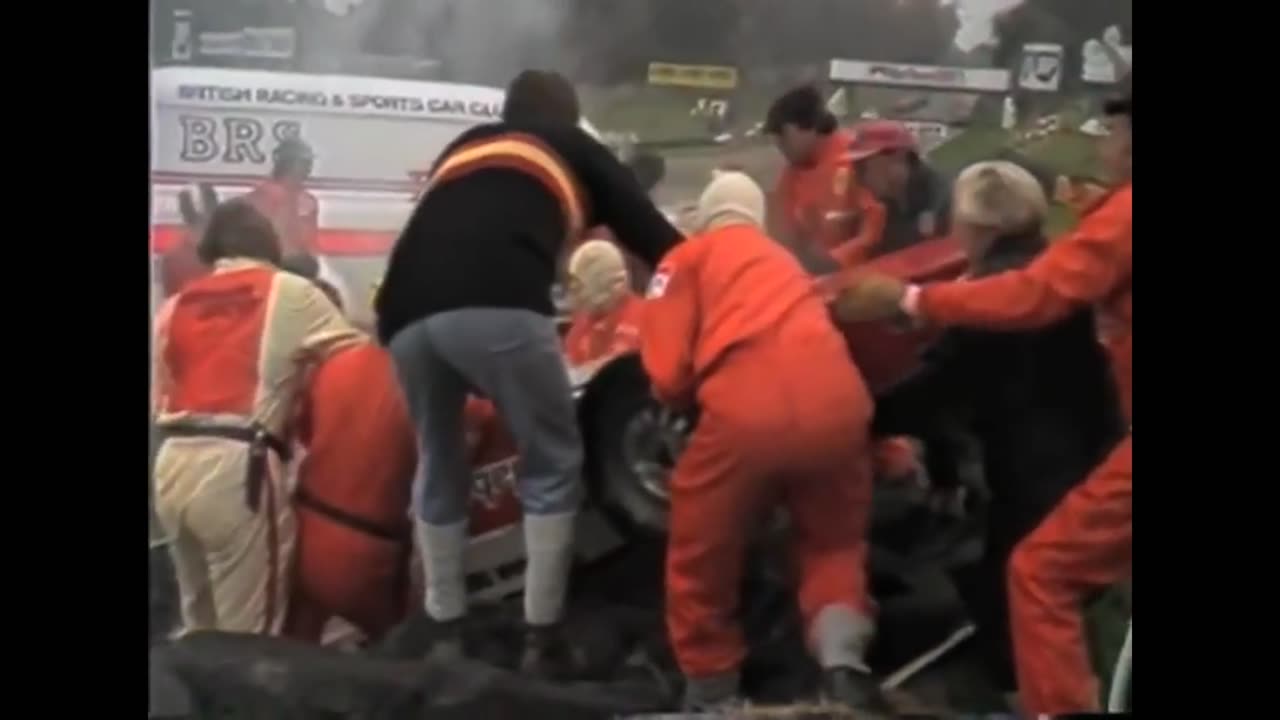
x,y
367,133
324,94
934,77
1041,68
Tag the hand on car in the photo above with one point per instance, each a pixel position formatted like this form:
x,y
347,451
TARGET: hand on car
x,y
871,297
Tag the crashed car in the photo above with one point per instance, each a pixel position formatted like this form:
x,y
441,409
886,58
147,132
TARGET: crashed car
x,y
631,445
615,608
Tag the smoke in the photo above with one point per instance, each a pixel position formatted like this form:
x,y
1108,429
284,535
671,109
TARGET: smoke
x,y
490,41
476,41
977,19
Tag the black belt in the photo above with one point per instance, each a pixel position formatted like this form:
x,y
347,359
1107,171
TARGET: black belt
x,y
255,436
403,538
354,522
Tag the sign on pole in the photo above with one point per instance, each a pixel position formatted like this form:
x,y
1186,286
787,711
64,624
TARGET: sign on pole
x,y
1041,67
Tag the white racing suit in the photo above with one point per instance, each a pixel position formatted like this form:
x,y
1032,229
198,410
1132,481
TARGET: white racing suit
x,y
230,355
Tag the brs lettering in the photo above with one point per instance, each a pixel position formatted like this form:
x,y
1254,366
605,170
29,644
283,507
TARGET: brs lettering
x,y
231,140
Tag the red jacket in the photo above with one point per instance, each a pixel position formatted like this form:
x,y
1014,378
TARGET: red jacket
x,y
594,337
1092,265
292,210
824,204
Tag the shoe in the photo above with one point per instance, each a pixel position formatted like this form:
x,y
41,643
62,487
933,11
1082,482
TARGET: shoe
x,y
714,693
548,655
855,689
447,642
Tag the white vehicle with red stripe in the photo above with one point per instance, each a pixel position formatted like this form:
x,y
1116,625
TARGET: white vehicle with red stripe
x,y
373,138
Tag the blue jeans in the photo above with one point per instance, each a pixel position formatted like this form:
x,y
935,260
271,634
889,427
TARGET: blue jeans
x,y
512,357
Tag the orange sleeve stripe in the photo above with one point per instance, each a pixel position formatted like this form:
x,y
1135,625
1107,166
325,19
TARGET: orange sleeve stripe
x,y
525,153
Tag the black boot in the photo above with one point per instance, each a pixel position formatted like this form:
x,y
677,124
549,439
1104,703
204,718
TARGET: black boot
x,y
548,655
854,689
446,640
715,693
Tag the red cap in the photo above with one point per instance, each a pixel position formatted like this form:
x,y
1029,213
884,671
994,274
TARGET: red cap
x,y
877,136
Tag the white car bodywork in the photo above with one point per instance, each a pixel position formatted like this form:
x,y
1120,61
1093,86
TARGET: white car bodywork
x,y
372,137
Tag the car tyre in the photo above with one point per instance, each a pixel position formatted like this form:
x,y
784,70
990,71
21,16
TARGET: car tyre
x,y
617,413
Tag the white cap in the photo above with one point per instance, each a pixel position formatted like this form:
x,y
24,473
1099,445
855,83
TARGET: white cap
x,y
601,274
732,197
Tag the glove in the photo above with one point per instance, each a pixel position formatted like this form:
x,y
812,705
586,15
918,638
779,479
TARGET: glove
x,y
872,297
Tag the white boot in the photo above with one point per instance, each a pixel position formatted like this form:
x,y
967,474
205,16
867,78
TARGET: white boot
x,y
443,548
548,543
840,636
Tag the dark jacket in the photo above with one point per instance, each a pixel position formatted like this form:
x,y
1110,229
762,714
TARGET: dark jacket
x,y
490,231
928,192
1041,405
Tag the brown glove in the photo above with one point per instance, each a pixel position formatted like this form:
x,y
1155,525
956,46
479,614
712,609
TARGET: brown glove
x,y
871,297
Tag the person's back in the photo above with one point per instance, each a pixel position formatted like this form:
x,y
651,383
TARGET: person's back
x,y
361,452
354,537
229,334
459,251
756,298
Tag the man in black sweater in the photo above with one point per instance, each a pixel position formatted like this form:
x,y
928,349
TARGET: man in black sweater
x,y
466,307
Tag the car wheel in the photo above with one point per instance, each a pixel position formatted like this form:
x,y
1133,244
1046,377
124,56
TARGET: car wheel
x,y
631,446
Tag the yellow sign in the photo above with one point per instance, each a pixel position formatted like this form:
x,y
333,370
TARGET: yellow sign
x,y
715,77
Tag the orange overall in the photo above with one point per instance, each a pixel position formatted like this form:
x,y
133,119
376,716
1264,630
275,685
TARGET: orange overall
x,y
354,534
1086,543
230,357
592,338
727,311
823,204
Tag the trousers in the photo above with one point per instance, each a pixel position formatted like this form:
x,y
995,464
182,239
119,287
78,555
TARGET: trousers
x,y
1083,546
513,358
799,439
231,562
